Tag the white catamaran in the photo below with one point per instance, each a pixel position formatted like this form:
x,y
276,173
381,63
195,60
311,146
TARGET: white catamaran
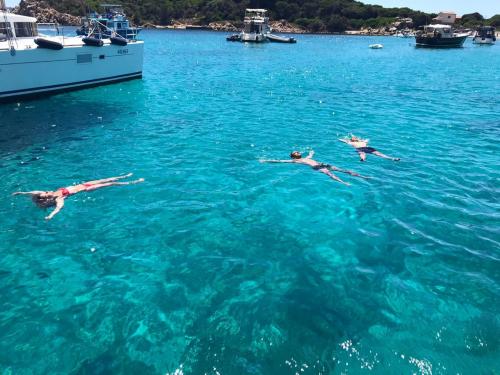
x,y
33,64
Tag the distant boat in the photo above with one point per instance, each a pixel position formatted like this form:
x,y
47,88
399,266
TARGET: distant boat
x,y
376,46
111,19
256,29
256,26
440,36
280,39
484,35
405,35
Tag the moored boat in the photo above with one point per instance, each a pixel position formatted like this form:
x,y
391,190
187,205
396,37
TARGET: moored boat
x,y
34,64
234,38
280,39
111,20
439,36
256,26
484,35
256,29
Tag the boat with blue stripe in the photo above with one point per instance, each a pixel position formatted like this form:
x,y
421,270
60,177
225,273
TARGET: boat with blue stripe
x,y
110,19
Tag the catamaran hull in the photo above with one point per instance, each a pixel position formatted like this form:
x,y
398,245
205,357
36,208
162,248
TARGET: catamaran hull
x,y
40,71
434,42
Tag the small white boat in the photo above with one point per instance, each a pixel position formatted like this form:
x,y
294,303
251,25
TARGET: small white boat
x,y
405,35
376,46
484,35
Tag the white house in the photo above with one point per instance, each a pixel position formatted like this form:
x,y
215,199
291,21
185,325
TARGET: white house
x,y
447,18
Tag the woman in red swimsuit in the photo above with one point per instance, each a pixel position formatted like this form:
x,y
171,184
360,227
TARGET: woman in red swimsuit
x,y
56,198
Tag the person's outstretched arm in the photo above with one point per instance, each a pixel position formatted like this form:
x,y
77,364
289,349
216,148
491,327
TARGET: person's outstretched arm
x,y
275,161
345,140
59,206
34,192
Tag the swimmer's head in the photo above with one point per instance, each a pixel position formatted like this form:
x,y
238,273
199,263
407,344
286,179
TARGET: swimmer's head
x,y
296,155
354,138
44,200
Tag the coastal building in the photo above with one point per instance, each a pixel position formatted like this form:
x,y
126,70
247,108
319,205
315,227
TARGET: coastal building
x,y
445,18
403,23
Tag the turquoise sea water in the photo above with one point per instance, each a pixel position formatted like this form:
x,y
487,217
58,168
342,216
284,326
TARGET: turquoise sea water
x,y
218,264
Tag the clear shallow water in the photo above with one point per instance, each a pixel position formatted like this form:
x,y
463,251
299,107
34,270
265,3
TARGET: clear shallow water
x,y
218,264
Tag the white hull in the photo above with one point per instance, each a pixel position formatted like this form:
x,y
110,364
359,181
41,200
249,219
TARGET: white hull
x,y
32,70
479,40
253,37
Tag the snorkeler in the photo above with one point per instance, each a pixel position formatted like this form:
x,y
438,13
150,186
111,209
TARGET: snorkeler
x,y
361,146
45,199
320,167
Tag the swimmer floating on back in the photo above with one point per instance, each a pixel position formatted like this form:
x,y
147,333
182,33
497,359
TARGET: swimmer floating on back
x,y
320,167
361,146
56,198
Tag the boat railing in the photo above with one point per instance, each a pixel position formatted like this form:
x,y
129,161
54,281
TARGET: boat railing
x,y
99,27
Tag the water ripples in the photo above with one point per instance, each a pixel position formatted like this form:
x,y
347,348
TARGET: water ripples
x,y
220,264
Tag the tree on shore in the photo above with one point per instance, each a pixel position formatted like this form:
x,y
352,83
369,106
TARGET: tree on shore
x,y
313,15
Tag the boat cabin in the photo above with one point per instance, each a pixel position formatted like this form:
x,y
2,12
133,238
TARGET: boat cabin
x,y
16,26
486,32
256,21
445,31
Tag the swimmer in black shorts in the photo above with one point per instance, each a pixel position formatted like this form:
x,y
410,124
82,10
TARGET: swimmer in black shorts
x,y
296,158
361,146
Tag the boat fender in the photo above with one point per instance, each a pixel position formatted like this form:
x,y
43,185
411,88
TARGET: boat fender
x,y
91,41
49,44
119,41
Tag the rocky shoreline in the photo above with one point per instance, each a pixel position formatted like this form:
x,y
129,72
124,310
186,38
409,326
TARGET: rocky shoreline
x,y
45,14
281,26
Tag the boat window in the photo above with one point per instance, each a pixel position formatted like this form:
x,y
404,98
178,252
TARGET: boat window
x,y
5,30
84,58
118,25
25,29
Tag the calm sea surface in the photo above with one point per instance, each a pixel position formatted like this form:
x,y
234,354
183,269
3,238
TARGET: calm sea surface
x,y
219,264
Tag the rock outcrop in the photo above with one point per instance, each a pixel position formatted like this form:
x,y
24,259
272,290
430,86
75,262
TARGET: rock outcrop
x,y
284,26
45,14
224,26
